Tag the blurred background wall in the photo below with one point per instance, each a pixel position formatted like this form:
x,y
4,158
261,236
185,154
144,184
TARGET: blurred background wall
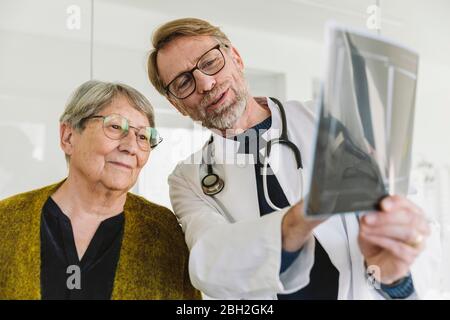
x,y
49,47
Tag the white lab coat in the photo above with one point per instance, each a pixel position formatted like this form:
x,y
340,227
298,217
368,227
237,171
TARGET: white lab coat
x,y
235,253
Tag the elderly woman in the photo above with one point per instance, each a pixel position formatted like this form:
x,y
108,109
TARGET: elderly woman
x,y
87,237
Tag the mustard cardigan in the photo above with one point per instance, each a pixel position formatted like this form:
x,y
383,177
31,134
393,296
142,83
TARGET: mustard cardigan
x,y
153,262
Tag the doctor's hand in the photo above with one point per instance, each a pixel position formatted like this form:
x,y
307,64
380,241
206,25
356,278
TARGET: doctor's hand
x,y
391,239
296,229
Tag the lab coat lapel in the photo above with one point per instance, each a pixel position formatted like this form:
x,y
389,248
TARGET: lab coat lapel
x,y
331,234
239,195
282,159
361,287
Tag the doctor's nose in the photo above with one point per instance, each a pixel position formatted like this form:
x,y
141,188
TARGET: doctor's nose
x,y
204,82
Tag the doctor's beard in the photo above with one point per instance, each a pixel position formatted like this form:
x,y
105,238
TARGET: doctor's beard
x,y
229,113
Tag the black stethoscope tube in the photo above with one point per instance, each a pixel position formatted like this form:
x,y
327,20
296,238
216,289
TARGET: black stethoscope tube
x,y
212,184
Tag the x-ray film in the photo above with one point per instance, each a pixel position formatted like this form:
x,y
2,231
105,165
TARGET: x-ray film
x,y
365,123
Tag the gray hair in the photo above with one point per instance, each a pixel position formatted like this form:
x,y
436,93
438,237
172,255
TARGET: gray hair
x,y
93,96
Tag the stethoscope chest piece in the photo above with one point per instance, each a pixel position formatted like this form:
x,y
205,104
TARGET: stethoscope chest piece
x,y
212,184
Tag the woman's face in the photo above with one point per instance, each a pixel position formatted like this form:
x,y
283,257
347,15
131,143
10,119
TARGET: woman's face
x,y
114,164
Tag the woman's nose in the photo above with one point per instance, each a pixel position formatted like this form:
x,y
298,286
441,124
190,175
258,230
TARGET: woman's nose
x,y
129,142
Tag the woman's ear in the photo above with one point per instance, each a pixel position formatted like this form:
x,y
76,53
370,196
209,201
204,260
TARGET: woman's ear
x,y
66,138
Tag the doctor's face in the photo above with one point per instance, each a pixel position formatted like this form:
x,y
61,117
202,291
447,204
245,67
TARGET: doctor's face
x,y
219,99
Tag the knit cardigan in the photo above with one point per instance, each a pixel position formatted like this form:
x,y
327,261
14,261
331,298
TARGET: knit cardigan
x,y
153,261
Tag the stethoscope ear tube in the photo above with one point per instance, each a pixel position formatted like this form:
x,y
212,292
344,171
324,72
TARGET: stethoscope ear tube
x,y
212,184
298,160
290,145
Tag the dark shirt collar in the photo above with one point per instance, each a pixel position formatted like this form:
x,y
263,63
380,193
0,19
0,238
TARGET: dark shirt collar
x,y
251,140
58,252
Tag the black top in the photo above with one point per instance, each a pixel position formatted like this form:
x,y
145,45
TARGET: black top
x,y
60,278
324,277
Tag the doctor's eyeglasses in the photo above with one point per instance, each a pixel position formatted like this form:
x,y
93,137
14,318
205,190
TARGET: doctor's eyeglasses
x,y
117,127
209,63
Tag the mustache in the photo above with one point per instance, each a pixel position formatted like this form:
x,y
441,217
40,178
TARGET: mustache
x,y
211,96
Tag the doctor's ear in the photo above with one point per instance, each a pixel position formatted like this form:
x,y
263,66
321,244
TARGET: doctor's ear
x,y
236,57
66,138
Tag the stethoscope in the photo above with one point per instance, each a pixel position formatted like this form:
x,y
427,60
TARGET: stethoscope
x,y
212,184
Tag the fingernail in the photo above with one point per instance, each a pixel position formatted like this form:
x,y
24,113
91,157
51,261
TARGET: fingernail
x,y
370,219
387,204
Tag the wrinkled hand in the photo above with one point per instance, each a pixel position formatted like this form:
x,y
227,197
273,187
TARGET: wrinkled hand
x,y
391,239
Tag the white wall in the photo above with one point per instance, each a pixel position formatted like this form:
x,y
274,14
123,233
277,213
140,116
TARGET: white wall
x,y
41,63
120,51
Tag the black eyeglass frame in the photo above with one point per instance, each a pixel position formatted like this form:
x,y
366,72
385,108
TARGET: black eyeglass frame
x,y
191,72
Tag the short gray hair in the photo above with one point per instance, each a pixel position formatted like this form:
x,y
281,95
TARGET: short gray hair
x,y
93,96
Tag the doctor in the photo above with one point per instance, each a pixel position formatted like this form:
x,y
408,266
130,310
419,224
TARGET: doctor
x,y
240,247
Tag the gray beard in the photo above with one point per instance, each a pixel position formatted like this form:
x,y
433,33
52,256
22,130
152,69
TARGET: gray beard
x,y
227,116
